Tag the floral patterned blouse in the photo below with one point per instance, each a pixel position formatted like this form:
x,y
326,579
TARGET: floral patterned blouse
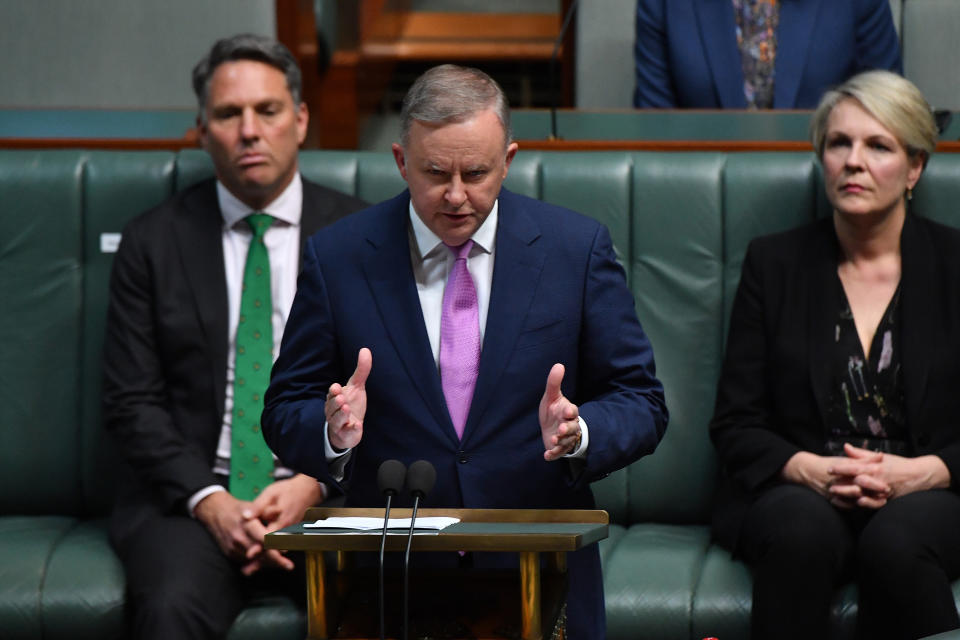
x,y
866,404
756,22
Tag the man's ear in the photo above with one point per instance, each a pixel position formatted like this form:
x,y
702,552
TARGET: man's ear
x,y
303,119
399,158
202,131
511,152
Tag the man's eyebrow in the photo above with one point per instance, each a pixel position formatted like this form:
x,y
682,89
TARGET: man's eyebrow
x,y
224,107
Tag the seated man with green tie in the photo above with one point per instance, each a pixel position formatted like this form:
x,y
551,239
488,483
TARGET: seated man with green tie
x,y
199,295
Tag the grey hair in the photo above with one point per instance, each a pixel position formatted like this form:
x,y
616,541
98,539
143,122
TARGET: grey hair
x,y
246,46
449,93
894,101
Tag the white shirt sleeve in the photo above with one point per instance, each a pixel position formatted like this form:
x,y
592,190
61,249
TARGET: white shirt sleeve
x,y
336,461
200,495
581,451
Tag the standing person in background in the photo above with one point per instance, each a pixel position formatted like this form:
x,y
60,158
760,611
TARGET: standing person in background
x,y
488,333
756,54
199,295
836,413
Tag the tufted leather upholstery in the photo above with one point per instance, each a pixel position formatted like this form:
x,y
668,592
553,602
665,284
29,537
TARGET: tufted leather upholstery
x,y
680,224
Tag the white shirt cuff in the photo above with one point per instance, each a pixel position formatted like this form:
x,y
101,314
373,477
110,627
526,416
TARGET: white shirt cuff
x,y
581,451
200,495
336,461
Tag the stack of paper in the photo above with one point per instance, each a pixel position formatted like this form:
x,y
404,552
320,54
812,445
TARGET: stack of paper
x,y
376,524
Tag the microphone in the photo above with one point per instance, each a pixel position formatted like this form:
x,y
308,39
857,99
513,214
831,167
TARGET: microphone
x,y
420,480
553,68
390,478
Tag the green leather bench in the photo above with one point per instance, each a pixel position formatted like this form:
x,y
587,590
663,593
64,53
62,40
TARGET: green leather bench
x,y
680,222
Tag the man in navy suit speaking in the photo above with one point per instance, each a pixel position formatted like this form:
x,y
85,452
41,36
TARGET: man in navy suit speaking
x,y
489,333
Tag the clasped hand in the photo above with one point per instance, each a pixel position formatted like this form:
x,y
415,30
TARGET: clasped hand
x,y
864,478
239,526
346,406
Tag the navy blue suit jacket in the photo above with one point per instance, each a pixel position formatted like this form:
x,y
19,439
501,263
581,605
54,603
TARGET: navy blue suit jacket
x,y
687,56
558,295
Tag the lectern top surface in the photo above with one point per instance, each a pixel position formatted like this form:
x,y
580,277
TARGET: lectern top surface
x,y
463,536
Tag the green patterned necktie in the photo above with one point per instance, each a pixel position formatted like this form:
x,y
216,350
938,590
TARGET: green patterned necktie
x,y
251,462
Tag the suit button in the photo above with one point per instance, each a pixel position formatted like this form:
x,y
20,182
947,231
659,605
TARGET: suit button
x,y
462,457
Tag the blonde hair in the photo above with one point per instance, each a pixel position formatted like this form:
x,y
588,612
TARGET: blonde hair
x,y
893,100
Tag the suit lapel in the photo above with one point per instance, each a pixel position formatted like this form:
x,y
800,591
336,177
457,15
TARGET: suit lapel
x,y
822,291
389,274
518,264
919,312
717,32
794,38
198,229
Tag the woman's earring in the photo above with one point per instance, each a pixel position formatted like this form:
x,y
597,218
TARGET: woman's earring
x,y
909,193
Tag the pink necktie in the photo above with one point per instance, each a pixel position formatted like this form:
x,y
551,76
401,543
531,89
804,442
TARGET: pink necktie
x,y
459,339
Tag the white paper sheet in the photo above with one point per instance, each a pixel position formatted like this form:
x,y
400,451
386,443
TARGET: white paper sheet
x,y
436,523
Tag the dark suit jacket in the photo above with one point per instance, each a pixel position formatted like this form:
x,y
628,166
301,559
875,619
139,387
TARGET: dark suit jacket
x,y
687,56
558,295
165,353
775,383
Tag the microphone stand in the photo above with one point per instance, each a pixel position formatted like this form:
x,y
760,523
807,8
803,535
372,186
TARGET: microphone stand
x,y
406,570
555,101
383,544
390,478
420,481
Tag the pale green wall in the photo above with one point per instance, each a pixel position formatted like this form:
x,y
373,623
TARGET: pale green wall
x,y
114,53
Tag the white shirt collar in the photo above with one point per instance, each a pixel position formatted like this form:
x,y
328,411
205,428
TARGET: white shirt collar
x,y
427,241
288,206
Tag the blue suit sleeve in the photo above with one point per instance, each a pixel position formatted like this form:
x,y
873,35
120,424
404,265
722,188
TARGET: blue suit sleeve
x,y
654,84
624,404
877,44
293,416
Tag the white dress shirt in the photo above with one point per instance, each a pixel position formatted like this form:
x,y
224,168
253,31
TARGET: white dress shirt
x,y
282,240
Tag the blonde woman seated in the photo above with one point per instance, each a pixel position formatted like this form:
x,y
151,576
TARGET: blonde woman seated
x,y
837,411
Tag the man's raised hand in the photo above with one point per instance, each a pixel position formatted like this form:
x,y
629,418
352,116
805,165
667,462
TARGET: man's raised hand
x,y
346,405
559,418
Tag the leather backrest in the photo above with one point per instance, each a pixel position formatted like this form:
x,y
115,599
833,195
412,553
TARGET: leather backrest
x,y
41,281
680,223
371,176
677,267
937,195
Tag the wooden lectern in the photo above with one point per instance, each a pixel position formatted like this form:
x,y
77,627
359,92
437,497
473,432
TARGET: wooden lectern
x,y
342,601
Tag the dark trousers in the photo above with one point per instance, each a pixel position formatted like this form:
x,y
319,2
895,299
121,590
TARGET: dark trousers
x,y
180,585
903,557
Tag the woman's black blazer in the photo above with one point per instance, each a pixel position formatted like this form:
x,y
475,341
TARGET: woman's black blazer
x,y
774,385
